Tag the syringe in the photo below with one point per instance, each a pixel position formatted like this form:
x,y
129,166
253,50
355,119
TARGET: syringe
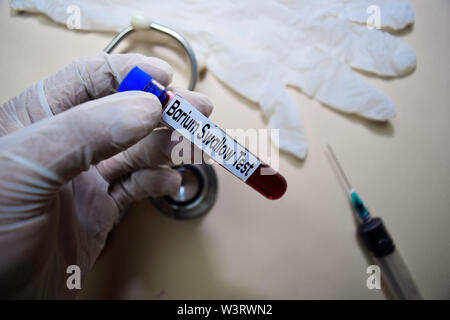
x,y
377,240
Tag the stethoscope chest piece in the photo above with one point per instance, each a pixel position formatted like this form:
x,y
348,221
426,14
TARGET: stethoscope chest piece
x,y
195,197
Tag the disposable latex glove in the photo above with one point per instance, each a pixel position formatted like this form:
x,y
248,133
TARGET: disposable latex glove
x,y
64,178
258,48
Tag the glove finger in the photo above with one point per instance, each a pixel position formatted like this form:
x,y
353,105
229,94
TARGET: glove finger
x,y
269,92
155,149
374,51
394,15
62,146
335,84
98,76
23,110
282,114
144,183
152,151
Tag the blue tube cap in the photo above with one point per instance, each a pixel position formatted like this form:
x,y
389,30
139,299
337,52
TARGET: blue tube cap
x,y
136,79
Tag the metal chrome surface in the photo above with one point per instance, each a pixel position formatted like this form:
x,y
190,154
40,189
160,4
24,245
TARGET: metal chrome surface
x,y
170,32
196,195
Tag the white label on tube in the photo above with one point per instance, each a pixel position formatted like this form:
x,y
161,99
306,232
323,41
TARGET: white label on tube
x,y
180,115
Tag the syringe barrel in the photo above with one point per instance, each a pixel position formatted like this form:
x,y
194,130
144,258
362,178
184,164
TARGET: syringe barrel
x,y
393,270
376,238
396,276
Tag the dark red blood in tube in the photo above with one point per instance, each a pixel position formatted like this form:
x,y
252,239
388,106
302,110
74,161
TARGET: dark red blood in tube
x,y
272,186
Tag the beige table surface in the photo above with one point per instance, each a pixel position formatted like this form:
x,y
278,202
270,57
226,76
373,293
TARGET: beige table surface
x,y
304,245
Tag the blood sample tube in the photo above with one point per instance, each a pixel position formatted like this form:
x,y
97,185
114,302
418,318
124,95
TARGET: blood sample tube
x,y
180,115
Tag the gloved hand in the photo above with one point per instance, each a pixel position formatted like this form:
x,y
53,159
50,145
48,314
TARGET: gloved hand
x,y
64,178
260,47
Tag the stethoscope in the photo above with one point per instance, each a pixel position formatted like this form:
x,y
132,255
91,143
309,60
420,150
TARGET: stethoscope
x,y
198,190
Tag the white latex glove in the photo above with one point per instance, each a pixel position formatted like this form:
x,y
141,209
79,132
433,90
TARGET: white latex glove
x,y
64,178
259,47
